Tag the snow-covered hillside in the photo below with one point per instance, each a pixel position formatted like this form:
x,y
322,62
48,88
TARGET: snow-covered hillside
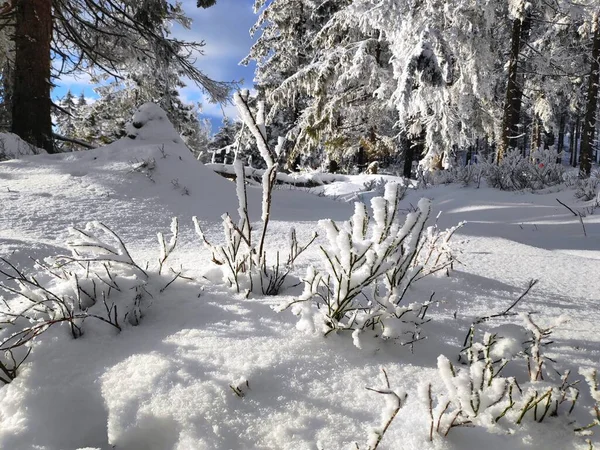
x,y
207,368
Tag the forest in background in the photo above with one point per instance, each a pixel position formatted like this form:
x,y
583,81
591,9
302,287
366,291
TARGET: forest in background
x,y
345,82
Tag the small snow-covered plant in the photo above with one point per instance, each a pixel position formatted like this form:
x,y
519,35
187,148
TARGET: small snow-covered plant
x,y
273,277
480,395
539,338
377,186
243,256
99,282
370,263
470,393
435,253
591,378
393,403
145,166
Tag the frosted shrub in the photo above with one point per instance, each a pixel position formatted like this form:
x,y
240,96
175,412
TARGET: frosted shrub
x,y
243,256
465,175
377,186
591,378
394,401
370,263
98,283
516,172
479,394
587,189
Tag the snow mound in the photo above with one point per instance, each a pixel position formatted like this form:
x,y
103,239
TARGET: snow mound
x,y
150,123
13,147
134,186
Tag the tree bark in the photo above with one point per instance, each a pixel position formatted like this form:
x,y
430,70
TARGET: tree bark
x,y
514,88
536,134
409,156
31,115
589,121
572,143
576,141
560,147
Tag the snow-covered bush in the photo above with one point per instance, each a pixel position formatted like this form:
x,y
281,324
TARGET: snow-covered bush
x,y
394,401
591,378
513,172
377,187
243,256
369,268
465,175
480,395
587,189
516,172
98,283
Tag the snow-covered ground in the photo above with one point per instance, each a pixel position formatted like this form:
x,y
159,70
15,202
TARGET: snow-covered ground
x,y
169,382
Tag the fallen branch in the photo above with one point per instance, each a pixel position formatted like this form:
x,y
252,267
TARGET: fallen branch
x,y
87,145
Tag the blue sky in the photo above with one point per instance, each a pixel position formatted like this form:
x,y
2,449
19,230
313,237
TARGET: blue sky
x,y
225,30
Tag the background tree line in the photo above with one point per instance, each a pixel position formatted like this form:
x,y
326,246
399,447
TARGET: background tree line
x,y
361,80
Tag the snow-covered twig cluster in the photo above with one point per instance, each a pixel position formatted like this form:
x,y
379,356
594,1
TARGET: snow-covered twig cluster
x,y
369,268
244,255
480,395
99,280
516,172
591,378
393,403
465,175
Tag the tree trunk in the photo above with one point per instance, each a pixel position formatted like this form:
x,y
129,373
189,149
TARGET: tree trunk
x,y
589,121
536,135
514,88
31,119
561,138
572,144
576,141
409,156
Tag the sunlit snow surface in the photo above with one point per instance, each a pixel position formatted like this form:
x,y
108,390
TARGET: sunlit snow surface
x,y
165,384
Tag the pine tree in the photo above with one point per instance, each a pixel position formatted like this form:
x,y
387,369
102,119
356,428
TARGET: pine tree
x,y
66,119
220,146
326,79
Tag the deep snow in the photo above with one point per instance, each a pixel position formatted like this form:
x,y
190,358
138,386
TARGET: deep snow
x,y
166,384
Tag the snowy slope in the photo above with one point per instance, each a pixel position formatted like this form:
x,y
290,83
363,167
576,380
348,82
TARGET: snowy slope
x,y
167,383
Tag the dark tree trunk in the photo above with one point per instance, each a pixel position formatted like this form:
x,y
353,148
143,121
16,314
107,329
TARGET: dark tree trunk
x,y
536,135
31,102
514,88
572,144
409,156
589,121
576,141
526,121
561,137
